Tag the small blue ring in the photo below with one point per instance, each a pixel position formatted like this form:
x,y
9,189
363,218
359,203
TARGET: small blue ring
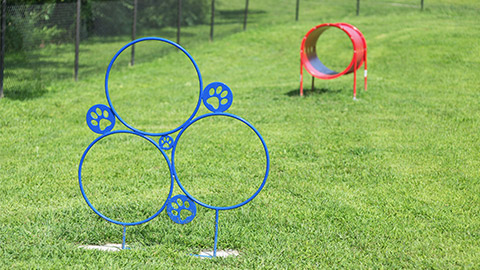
x,y
110,101
220,207
85,196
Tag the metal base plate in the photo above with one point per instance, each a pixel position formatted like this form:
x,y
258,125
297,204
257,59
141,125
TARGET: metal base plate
x,y
106,247
220,253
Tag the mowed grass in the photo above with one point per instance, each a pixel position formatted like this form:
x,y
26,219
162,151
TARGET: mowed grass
x,y
390,180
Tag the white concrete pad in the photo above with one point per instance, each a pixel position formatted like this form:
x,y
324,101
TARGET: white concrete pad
x,y
106,247
220,253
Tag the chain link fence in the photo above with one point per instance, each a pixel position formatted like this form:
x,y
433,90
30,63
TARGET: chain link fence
x,y
35,33
30,30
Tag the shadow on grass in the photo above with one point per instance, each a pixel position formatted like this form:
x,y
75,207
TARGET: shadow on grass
x,y
28,73
237,16
232,14
309,92
24,93
165,32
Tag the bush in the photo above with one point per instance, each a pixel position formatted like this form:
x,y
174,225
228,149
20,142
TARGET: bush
x,y
28,28
115,18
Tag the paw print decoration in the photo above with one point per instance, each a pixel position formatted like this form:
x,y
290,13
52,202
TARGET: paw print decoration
x,y
217,97
166,142
100,119
181,209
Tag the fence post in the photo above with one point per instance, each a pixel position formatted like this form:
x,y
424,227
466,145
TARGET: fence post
x,y
134,31
2,57
358,7
245,18
179,20
296,10
421,4
212,20
77,38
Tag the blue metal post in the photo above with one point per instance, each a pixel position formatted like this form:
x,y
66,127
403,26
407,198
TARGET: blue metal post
x,y
216,234
124,234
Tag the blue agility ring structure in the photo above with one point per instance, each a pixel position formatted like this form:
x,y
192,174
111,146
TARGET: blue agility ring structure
x,y
173,205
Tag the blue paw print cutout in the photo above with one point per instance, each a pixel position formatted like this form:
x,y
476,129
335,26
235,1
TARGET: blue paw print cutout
x,y
181,206
166,142
100,119
217,97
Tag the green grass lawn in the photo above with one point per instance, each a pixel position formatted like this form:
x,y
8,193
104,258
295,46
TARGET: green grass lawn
x,y
390,180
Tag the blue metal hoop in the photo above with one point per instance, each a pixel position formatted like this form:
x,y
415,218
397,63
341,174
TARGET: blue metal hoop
x,y
107,75
98,212
221,207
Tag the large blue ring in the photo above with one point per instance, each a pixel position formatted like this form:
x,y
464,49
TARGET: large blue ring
x,y
221,207
90,204
110,101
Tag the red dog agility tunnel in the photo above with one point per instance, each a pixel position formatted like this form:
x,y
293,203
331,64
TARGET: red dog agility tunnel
x,y
311,62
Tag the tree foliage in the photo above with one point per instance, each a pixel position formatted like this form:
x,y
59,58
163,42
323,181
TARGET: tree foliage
x,y
33,23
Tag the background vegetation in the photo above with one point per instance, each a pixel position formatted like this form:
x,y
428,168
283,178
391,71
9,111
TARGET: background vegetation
x,y
31,23
388,181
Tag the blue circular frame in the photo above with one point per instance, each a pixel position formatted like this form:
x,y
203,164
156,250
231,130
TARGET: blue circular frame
x,y
221,207
98,212
107,75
